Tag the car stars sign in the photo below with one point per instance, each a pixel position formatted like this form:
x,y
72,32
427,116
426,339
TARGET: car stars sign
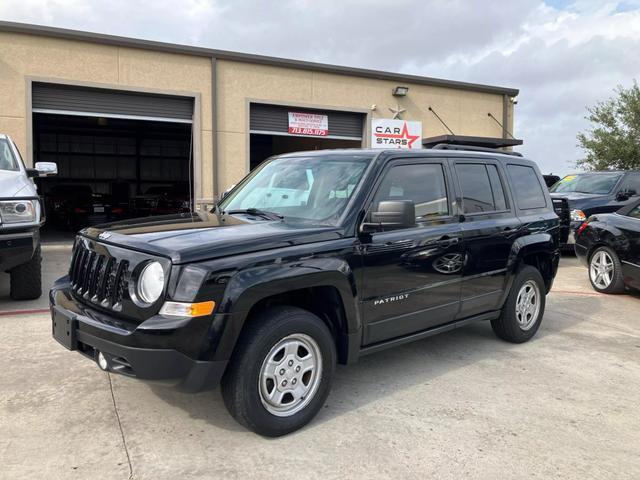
x,y
395,134
308,124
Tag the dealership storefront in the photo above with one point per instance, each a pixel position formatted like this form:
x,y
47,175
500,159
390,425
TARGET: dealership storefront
x,y
125,117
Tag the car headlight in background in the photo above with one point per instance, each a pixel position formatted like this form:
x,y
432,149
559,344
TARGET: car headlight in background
x,y
17,211
151,282
578,216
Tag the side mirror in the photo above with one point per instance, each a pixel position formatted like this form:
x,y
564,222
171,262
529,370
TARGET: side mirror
x,y
226,192
392,214
625,194
43,169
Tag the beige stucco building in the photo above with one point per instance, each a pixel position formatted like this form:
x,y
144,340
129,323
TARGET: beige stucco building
x,y
115,111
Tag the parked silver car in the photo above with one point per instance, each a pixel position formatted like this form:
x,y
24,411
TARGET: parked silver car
x,y
21,216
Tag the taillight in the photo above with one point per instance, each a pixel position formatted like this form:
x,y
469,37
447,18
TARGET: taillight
x,y
582,228
79,210
117,210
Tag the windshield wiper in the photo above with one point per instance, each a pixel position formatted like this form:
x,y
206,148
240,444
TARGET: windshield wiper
x,y
257,212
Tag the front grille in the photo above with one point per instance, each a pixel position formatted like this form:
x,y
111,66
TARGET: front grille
x,y
97,278
561,207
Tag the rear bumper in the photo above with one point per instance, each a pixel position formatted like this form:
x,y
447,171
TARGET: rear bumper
x,y
130,351
581,253
16,248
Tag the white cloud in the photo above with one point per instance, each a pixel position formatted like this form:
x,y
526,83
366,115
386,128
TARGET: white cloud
x,y
561,59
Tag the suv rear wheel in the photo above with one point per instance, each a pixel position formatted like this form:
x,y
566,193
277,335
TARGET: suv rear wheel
x,y
26,279
281,374
522,312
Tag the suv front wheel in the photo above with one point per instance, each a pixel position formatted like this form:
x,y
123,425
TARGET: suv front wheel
x,y
522,312
281,374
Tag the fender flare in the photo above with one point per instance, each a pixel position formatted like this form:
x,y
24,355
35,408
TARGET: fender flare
x,y
542,242
248,287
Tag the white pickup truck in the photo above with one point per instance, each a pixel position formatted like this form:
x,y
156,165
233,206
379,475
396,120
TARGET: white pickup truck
x,y
21,216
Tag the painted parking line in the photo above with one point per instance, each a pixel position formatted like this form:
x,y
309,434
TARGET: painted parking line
x,y
576,292
24,312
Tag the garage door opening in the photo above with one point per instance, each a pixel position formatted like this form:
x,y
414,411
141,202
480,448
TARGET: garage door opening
x,y
263,146
112,168
277,129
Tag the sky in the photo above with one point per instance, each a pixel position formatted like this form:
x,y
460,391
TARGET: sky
x,y
562,55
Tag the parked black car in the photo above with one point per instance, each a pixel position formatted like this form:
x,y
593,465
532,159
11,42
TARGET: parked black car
x,y
596,192
609,245
285,278
161,200
73,206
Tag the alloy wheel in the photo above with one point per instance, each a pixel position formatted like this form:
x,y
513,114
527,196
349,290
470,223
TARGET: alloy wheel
x,y
601,269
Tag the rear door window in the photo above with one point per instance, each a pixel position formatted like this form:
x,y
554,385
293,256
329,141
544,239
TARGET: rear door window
x,y
526,187
481,187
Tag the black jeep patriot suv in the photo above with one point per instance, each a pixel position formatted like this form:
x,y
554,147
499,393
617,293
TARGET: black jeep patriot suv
x,y
314,258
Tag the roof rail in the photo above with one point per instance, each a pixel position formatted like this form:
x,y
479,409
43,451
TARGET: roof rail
x,y
450,146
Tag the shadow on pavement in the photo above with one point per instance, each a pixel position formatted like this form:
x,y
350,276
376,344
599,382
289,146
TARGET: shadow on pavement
x,y
385,373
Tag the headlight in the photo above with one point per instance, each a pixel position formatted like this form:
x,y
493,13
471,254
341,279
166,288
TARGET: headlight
x,y
578,216
16,211
151,282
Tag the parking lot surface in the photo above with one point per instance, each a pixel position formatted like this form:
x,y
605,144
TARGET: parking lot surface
x,y
460,405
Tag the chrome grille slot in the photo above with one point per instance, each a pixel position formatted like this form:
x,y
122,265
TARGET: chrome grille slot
x,y
98,278
86,266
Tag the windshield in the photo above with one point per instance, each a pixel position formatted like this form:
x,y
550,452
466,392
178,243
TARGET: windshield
x,y
597,183
313,189
7,160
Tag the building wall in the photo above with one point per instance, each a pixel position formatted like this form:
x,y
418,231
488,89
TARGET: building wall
x,y
24,57
27,57
465,112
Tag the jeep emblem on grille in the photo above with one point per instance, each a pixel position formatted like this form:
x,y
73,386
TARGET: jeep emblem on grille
x,y
104,235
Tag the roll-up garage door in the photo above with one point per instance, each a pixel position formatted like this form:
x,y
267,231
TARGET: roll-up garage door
x,y
100,102
274,120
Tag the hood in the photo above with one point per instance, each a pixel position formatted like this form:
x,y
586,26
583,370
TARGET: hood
x,y
14,184
196,237
581,200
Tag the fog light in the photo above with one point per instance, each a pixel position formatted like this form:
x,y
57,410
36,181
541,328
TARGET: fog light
x,y
102,362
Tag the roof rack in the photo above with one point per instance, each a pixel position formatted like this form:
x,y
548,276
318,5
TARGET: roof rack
x,y
450,146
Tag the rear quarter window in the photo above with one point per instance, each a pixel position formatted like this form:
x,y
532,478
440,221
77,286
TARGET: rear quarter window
x,y
526,186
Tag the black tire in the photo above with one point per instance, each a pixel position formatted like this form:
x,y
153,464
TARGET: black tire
x,y
240,385
508,326
26,279
617,280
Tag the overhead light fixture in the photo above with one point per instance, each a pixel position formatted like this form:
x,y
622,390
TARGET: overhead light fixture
x,y
400,91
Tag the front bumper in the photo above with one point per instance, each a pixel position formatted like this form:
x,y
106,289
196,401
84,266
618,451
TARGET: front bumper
x,y
130,350
17,248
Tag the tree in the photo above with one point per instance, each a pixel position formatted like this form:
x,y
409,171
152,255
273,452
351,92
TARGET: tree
x,y
614,140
